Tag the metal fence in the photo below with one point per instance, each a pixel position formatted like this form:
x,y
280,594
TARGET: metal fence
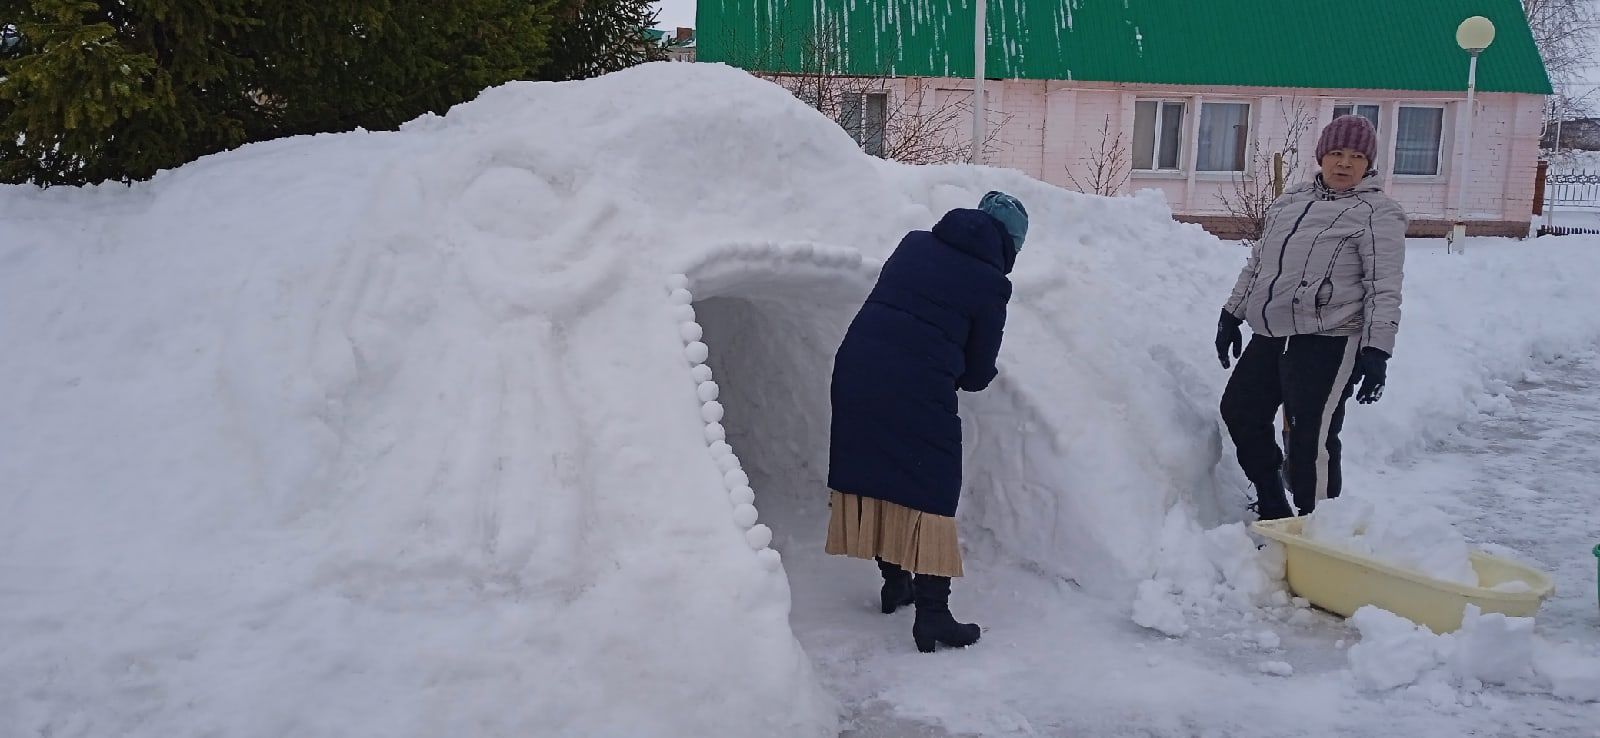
x,y
1571,191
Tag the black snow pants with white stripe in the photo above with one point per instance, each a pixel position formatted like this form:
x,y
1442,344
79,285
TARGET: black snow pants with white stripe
x,y
1310,376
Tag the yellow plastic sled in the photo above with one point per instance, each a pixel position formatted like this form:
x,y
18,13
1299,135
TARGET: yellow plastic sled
x,y
1343,581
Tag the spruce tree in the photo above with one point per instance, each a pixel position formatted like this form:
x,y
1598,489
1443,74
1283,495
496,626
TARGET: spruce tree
x,y
378,63
595,37
113,90
120,89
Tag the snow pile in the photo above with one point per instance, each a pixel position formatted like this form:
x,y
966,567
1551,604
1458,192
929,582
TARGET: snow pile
x,y
1405,535
1214,576
1276,668
1156,608
475,423
1489,649
1513,586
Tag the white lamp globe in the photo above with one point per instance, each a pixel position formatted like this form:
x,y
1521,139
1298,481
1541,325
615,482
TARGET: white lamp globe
x,y
1475,34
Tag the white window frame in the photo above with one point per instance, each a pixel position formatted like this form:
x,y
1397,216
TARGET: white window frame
x,y
882,124
1441,159
1155,139
1251,109
857,126
1353,104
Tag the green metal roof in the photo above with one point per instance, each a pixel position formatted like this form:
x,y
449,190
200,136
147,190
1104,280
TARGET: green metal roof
x,y
1381,44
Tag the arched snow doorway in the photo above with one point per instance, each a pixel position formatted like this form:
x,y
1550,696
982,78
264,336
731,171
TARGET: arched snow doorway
x,y
772,317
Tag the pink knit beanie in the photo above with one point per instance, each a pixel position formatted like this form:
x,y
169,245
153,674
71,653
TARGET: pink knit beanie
x,y
1351,133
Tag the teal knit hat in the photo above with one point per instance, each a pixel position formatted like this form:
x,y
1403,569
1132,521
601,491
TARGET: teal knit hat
x,y
1009,211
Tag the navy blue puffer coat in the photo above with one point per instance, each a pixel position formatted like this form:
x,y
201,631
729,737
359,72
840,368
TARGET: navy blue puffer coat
x,y
932,325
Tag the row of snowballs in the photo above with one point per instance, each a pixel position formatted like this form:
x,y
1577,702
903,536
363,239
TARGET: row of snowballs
x,y
740,496
773,253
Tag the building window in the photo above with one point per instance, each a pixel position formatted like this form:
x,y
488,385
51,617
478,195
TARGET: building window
x,y
1157,134
1370,112
1224,137
865,115
1416,148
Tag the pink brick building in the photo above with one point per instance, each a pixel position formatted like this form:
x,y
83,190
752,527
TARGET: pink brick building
x,y
1197,144
1200,95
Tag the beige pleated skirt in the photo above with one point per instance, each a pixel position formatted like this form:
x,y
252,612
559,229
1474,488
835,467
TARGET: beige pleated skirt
x,y
919,542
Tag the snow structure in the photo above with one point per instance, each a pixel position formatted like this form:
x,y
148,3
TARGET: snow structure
x,y
489,421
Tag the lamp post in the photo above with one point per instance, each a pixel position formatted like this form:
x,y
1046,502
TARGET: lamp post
x,y
980,28
1559,110
1473,35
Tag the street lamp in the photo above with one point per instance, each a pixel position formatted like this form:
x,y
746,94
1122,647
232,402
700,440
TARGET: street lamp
x,y
1473,35
980,50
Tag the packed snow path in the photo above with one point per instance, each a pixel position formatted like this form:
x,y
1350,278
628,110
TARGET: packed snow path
x,y
1527,478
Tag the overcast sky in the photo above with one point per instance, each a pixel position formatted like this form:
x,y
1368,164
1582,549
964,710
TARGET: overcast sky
x,y
675,13
1591,83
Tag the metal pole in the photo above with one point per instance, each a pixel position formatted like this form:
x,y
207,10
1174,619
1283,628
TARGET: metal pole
x,y
1561,114
1277,175
980,34
1459,235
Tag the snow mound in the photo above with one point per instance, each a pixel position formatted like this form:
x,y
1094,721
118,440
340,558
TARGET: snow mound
x,y
1215,578
1155,608
1406,535
470,424
1489,649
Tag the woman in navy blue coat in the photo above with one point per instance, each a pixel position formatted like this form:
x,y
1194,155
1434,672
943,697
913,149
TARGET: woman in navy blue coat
x,y
931,326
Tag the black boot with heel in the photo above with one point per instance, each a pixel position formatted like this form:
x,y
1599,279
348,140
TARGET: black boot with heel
x,y
934,623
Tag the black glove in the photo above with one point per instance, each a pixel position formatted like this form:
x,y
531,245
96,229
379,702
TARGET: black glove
x,y
1372,366
1228,335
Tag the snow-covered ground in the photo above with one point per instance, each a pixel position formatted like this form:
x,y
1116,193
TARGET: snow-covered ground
x,y
409,434
1573,217
1059,661
1519,476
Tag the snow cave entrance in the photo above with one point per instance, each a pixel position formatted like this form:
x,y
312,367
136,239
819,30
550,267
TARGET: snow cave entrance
x,y
772,335
772,329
